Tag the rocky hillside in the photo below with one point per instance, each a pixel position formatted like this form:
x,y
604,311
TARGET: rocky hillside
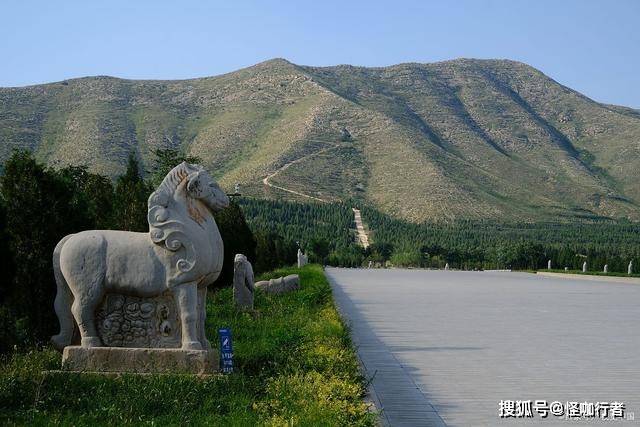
x,y
456,139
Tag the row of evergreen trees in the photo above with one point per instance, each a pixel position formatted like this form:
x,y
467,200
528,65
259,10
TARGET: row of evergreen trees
x,y
489,244
326,232
40,205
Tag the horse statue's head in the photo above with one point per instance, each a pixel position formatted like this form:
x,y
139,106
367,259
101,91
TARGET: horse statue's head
x,y
195,182
201,186
172,207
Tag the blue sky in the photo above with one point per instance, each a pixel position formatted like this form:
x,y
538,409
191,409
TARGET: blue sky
x,y
591,46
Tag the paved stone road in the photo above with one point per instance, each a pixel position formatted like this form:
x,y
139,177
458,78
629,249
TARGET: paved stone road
x,y
362,234
447,346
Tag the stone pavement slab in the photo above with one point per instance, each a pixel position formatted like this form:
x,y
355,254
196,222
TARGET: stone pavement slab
x,y
444,347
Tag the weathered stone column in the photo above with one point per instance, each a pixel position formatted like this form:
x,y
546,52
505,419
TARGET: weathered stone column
x,y
243,286
302,259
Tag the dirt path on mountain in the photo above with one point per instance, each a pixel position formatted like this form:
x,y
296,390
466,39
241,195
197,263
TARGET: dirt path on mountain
x,y
362,234
266,180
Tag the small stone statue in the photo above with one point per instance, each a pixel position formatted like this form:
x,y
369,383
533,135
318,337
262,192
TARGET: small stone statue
x,y
549,265
606,268
446,266
280,285
630,268
302,259
243,286
584,267
566,269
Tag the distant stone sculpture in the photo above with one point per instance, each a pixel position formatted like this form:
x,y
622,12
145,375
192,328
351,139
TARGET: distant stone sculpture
x,y
584,267
302,259
630,268
126,289
243,286
549,265
280,285
446,266
606,268
566,269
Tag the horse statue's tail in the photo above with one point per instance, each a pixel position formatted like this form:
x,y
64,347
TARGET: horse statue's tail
x,y
63,301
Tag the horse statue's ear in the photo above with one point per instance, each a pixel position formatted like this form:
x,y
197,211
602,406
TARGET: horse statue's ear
x,y
193,183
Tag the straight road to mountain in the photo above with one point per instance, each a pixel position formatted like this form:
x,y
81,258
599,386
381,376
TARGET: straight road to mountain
x,y
445,347
362,234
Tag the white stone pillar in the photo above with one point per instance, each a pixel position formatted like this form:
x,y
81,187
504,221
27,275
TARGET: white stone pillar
x,y
584,267
302,259
630,269
549,265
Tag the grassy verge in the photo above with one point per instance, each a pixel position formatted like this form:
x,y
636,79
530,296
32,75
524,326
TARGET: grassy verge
x,y
295,366
590,273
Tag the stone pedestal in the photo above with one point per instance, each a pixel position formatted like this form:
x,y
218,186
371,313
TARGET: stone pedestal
x,y
139,360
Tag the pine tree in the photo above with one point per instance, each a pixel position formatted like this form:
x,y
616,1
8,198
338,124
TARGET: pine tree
x,y
40,210
165,160
237,238
130,199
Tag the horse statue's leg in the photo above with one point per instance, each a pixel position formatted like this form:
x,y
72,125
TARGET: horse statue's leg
x,y
186,296
202,317
84,317
82,263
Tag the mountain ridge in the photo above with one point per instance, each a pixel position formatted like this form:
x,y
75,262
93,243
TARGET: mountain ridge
x,y
464,138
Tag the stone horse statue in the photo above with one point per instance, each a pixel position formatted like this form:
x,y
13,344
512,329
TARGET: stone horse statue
x,y
182,253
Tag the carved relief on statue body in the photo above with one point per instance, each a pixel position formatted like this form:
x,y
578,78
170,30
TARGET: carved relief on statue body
x,y
126,289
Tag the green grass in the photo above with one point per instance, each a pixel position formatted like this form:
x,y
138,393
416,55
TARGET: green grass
x,y
294,366
591,273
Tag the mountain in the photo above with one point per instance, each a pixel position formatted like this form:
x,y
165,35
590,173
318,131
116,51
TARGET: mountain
x,y
456,139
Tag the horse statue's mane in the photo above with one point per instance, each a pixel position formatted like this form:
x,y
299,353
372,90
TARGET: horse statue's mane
x,y
167,225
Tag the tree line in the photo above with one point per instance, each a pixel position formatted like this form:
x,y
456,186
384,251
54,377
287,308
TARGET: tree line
x,y
327,232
